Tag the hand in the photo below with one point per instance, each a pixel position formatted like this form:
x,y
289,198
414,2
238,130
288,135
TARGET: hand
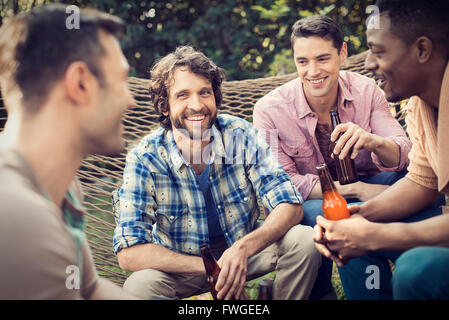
x,y
232,278
360,190
348,237
320,244
353,136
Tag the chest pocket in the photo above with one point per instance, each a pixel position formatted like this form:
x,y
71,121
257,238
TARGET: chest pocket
x,y
240,203
298,149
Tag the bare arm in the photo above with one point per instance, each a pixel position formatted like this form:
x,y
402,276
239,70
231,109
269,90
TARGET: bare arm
x,y
153,256
360,190
353,237
233,262
401,200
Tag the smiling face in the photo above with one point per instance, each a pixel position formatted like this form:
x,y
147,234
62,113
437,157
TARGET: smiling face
x,y
392,62
192,103
318,65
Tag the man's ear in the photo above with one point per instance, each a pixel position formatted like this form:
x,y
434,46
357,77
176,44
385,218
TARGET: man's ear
x,y
424,48
79,82
343,52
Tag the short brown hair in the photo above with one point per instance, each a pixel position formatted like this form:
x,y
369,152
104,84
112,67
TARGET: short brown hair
x,y
162,73
36,48
319,26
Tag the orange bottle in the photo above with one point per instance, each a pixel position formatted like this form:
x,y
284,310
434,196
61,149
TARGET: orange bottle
x,y
334,205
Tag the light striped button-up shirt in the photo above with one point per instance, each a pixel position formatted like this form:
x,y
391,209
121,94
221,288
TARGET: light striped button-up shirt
x,y
161,201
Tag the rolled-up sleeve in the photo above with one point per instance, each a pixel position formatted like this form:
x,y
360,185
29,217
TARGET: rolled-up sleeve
x,y
137,205
384,124
271,182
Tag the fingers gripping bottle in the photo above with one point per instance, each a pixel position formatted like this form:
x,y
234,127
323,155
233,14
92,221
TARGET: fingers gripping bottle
x,y
346,170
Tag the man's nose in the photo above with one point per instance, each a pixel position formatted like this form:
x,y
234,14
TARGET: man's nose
x,y
195,103
313,70
370,62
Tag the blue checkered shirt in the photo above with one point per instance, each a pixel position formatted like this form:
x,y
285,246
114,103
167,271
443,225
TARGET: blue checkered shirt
x,y
161,201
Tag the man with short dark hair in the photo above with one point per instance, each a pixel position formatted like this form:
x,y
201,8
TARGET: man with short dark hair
x,y
409,54
296,120
65,92
193,182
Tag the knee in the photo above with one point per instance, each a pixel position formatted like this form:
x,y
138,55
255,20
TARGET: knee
x,y
147,284
299,240
311,209
409,274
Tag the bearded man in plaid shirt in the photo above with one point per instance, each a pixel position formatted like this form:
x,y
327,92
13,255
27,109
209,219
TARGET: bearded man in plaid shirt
x,y
195,181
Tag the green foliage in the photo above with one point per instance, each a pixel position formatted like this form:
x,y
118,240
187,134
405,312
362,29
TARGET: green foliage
x,y
282,63
248,38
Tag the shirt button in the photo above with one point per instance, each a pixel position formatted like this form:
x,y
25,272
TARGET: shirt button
x,y
245,199
227,234
201,210
219,207
210,178
172,218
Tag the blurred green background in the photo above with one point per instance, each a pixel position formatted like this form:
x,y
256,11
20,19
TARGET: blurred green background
x,y
248,38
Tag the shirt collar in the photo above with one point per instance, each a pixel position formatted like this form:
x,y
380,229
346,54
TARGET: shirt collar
x,y
177,159
302,106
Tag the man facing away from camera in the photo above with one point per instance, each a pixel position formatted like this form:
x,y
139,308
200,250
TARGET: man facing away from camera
x,y
65,91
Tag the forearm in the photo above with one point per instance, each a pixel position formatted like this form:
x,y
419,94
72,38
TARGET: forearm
x,y
153,256
401,200
316,192
404,236
278,222
388,152
106,290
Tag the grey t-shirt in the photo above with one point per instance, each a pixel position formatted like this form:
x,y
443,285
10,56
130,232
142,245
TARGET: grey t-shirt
x,y
38,254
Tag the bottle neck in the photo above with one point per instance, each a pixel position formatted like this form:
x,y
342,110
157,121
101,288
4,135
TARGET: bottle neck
x,y
327,184
335,119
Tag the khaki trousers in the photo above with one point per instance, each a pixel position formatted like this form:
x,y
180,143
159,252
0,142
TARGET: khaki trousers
x,y
293,257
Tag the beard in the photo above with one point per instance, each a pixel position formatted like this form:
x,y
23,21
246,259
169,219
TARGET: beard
x,y
195,133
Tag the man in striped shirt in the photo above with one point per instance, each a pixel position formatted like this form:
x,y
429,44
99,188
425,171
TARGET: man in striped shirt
x,y
195,181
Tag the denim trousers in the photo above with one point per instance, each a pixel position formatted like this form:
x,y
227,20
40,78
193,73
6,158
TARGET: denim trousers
x,y
419,273
312,208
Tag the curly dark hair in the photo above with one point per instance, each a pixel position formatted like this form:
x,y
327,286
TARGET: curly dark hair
x,y
162,73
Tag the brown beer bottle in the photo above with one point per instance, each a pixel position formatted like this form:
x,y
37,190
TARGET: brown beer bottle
x,y
212,269
334,205
265,290
346,170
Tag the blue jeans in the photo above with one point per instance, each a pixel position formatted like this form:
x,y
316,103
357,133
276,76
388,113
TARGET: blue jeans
x,y
422,273
312,208
354,275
